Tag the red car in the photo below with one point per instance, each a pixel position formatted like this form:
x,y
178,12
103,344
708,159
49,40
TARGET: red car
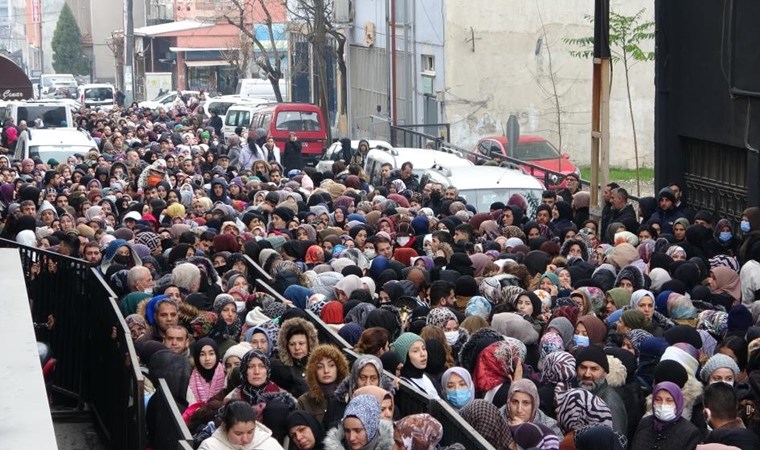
x,y
534,150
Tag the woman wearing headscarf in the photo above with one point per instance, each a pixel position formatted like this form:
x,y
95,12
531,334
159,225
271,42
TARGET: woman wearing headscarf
x,y
523,406
367,370
666,429
458,388
577,409
361,427
255,372
295,342
305,431
725,282
644,301
558,373
412,351
207,378
228,325
486,419
326,369
496,366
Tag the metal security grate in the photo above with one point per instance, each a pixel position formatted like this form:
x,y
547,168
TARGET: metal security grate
x,y
716,177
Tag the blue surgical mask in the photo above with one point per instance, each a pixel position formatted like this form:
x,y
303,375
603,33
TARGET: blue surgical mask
x,y
580,341
745,226
725,236
459,397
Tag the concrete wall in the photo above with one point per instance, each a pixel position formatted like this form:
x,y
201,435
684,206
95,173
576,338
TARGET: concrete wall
x,y
422,23
106,16
504,75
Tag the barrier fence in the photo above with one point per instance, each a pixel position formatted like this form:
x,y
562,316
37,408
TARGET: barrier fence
x,y
98,366
176,436
96,362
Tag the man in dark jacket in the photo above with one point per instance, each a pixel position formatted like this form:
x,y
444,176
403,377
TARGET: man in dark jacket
x,y
720,414
607,209
622,211
592,367
667,213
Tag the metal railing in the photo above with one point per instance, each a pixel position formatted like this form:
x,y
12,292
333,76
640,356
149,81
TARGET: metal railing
x,y
96,362
178,435
411,401
115,380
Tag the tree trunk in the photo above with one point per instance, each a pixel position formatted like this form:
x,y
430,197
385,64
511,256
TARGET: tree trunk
x,y
340,53
633,124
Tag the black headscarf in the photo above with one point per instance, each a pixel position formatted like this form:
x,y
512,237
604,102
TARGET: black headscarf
x,y
250,393
304,418
207,374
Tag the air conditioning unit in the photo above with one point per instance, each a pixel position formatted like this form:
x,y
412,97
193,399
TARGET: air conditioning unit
x,y
343,12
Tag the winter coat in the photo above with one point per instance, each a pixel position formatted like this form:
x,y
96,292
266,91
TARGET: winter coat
x,y
311,405
288,373
681,435
292,157
667,218
383,439
616,405
735,434
626,216
750,280
692,393
262,440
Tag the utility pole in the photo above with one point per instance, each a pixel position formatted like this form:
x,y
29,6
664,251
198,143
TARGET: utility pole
x,y
600,109
129,53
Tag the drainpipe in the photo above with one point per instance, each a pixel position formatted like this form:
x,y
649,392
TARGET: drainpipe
x,y
392,51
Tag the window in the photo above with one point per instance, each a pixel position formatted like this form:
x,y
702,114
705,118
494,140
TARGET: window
x,y
428,65
98,94
297,121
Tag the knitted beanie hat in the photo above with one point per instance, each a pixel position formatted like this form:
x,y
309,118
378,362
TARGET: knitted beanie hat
x,y
718,361
403,343
594,354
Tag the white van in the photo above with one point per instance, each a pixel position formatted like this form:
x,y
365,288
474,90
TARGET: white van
x,y
483,185
58,85
241,115
335,153
166,99
421,159
260,88
97,96
56,144
222,104
42,113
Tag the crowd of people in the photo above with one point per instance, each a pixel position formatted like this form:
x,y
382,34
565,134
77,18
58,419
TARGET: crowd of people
x,y
543,328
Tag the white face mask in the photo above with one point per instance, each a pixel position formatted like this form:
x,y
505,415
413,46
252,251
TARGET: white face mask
x,y
666,413
452,336
240,306
403,240
369,253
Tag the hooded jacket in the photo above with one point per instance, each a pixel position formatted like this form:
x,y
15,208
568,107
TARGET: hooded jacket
x,y
383,439
288,373
262,440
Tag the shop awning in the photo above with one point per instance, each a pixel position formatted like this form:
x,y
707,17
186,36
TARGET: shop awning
x,y
201,49
15,85
217,62
167,29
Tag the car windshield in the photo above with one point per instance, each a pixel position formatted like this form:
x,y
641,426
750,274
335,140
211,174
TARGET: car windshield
x,y
237,118
98,94
58,81
297,121
51,116
57,152
538,150
483,198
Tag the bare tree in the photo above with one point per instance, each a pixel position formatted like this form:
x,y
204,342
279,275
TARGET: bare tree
x,y
315,20
240,59
269,60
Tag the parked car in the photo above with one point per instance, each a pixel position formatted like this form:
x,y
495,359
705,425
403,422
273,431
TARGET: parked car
x,y
334,153
165,100
97,95
222,104
421,159
534,150
304,119
56,144
483,185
